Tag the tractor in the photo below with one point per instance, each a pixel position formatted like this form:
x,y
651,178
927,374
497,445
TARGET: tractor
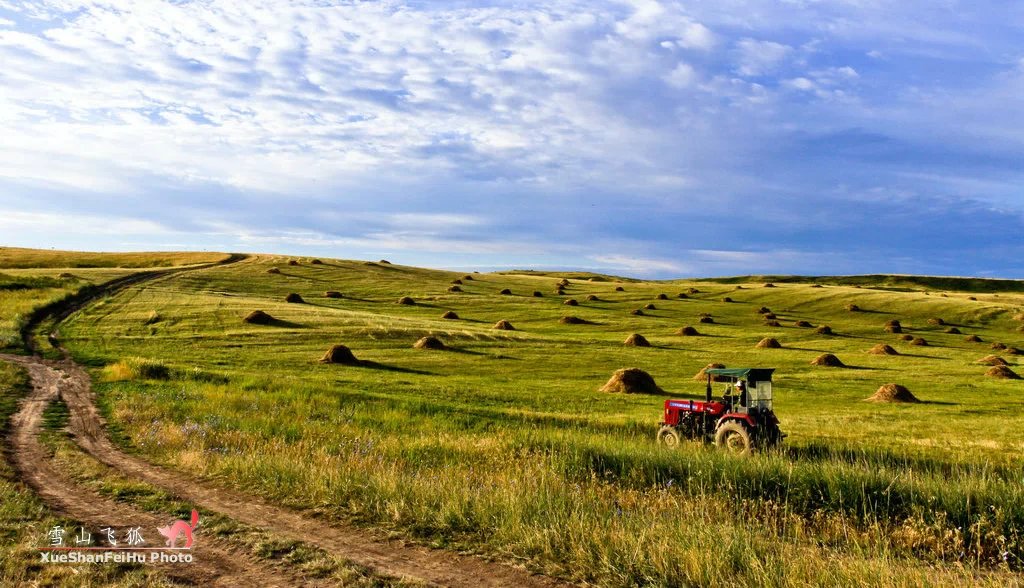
x,y
741,422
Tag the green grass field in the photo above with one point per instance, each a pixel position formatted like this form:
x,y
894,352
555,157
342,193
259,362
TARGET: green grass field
x,y
503,444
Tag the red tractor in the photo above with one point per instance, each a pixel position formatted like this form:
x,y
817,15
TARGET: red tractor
x,y
741,422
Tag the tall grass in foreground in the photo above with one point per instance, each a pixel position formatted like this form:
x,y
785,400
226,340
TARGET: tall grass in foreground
x,y
605,507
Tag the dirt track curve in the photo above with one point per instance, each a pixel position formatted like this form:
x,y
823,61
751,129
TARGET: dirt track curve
x,y
71,383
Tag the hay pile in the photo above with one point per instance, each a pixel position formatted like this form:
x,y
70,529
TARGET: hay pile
x,y
560,291
703,374
339,354
706,319
768,343
316,262
505,292
769,285
823,330
273,270
998,346
457,282
972,298
816,286
636,340
764,310
1002,372
428,343
682,295
564,283
503,325
1013,350
538,294
892,393
619,289
454,289
692,291
992,360
332,294
650,306
406,301
631,381
1019,317
768,323
936,321
972,339
450,315
294,298
852,308
258,317
467,277
769,316
67,276
906,337
572,320
883,349
571,302
953,331
893,326
293,262
919,341
726,299
662,296
688,331
592,298
385,262
827,360
803,324
637,312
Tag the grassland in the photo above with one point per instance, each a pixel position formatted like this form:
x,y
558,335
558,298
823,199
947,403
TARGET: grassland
x,y
503,445
18,257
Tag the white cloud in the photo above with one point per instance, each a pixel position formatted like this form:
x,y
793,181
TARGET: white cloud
x,y
758,58
681,77
638,265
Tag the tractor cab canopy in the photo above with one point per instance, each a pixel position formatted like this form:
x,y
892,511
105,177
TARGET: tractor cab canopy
x,y
751,375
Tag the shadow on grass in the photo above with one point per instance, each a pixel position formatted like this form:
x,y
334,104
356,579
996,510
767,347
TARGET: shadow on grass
x,y
373,365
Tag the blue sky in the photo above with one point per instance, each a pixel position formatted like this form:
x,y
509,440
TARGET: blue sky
x,y
644,138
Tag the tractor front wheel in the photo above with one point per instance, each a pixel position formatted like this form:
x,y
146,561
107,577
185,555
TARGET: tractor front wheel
x,y
734,438
669,437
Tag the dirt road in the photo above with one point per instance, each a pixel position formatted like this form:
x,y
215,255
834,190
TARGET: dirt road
x,y
72,384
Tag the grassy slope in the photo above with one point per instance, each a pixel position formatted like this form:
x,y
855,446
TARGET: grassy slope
x,y
17,257
505,445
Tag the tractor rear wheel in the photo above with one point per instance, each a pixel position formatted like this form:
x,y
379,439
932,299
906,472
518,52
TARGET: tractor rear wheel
x,y
669,437
734,438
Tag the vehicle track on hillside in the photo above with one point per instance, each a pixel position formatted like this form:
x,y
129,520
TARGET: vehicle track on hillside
x,y
71,383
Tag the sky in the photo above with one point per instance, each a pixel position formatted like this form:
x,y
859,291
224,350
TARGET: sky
x,y
644,138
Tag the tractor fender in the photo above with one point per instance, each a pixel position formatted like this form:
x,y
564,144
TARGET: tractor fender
x,y
736,416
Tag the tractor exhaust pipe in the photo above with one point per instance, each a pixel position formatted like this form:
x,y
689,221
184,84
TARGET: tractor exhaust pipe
x,y
707,391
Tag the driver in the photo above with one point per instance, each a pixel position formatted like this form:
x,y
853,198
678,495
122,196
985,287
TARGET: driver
x,y
736,392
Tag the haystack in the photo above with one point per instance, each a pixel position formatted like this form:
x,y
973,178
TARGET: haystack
x,y
692,291
998,346
892,393
316,262
772,324
768,343
637,312
67,276
703,374
467,277
428,342
893,323
332,294
769,316
816,286
619,289
450,315
631,381
457,282
663,296
636,340
936,321
258,317
883,349
505,292
706,320
972,339
919,341
827,360
823,330
992,360
803,324
1013,350
385,262
953,331
273,270
454,289
294,298
560,291
339,354
293,262
906,337
592,298
650,306
572,320
503,325
975,298
769,285
1002,372
406,301
563,282
726,299
897,328
764,310
852,308
682,295
688,331
538,294
571,302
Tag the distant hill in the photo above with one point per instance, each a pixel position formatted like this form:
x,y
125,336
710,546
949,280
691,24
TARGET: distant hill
x,y
889,282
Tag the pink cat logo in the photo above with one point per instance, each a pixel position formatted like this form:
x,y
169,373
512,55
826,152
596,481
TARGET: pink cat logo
x,y
172,532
